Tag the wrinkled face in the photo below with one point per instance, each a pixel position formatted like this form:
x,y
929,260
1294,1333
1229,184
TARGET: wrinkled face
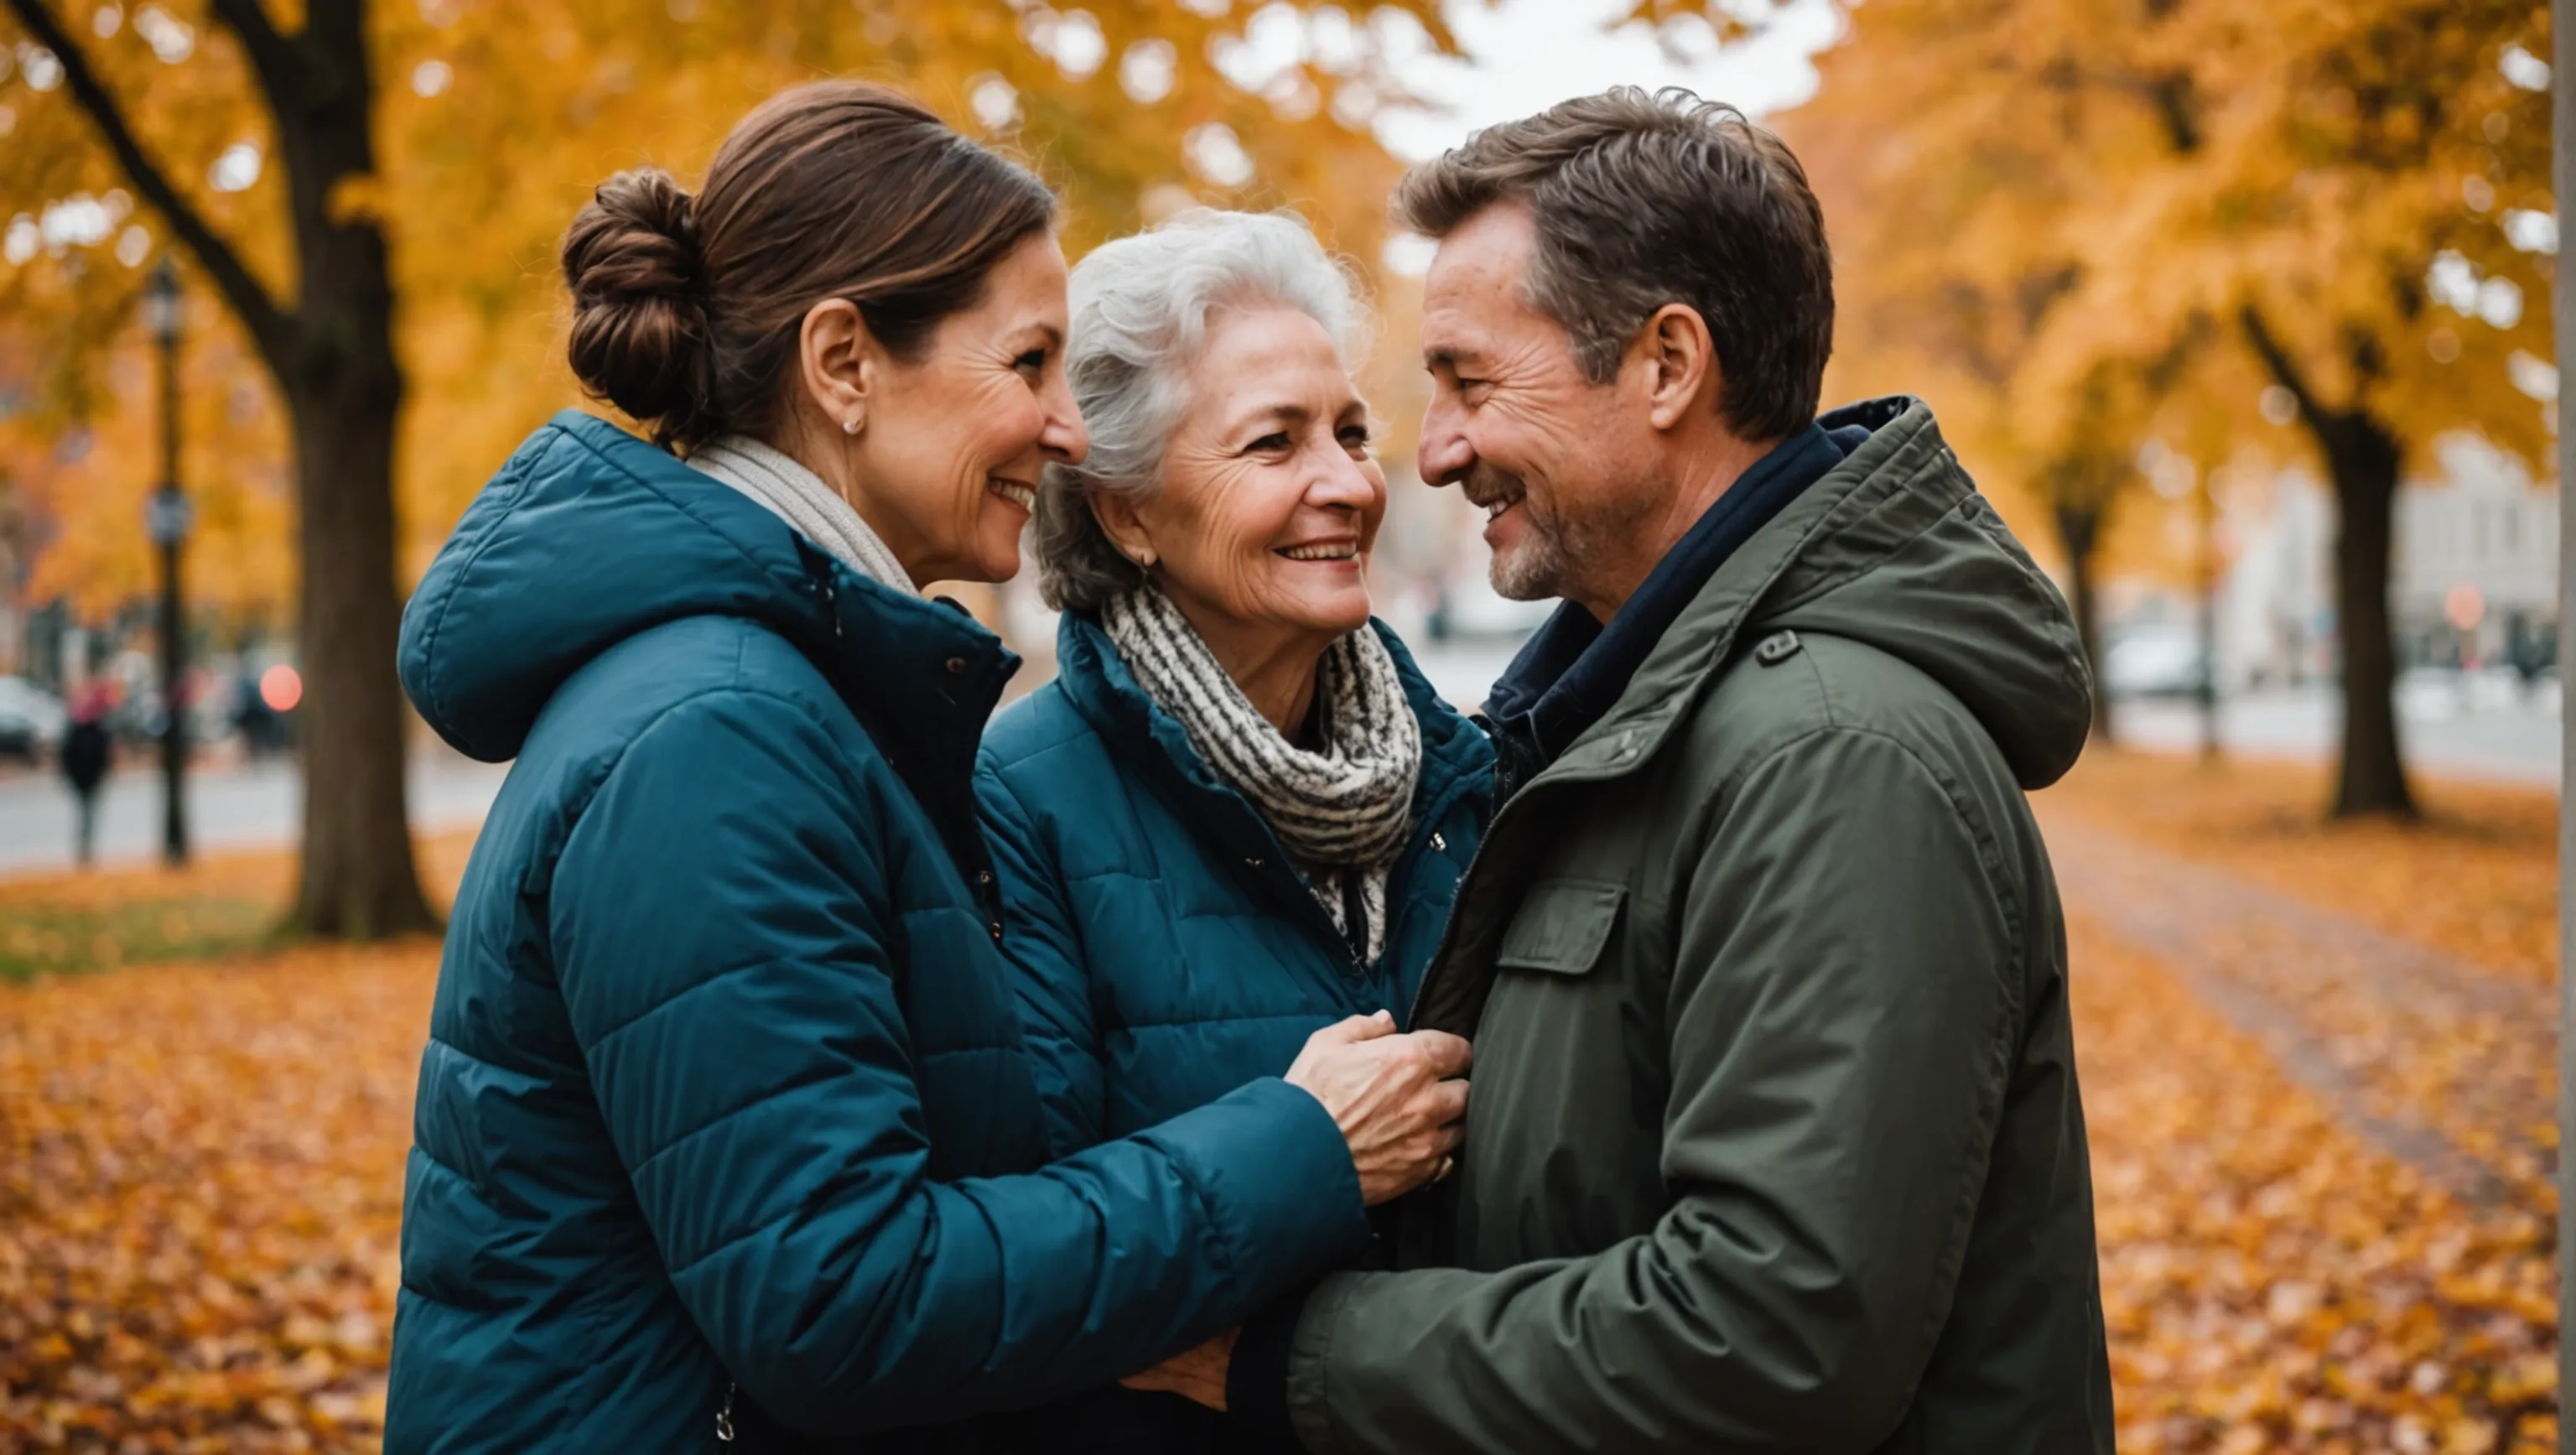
x,y
1270,498
953,441
1547,454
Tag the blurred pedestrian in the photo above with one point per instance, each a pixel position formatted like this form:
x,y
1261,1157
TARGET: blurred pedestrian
x,y
261,726
86,751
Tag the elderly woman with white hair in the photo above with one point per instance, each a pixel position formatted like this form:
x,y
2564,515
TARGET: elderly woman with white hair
x,y
1239,813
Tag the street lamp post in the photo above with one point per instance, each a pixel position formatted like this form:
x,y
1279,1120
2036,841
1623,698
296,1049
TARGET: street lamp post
x,y
167,520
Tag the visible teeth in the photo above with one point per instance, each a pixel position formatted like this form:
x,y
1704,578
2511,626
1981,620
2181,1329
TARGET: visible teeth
x,y
1497,508
1023,496
1341,552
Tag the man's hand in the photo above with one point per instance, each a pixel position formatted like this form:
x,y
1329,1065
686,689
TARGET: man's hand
x,y
1394,1097
1198,1373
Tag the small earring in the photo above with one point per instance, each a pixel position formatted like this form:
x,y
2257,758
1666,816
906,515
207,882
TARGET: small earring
x,y
850,425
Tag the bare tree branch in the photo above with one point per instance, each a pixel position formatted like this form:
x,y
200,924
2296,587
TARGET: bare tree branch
x,y
269,324
2277,359
2177,108
272,56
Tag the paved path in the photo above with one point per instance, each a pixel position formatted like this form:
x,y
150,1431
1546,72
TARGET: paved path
x,y
232,808
2442,1064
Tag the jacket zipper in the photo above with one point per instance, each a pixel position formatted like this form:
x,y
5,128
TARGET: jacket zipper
x,y
1441,947
1430,830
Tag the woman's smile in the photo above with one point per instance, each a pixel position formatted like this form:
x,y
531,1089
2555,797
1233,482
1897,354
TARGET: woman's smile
x,y
1018,492
1344,549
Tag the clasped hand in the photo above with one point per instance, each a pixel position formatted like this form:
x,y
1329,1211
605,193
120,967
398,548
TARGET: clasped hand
x,y
1401,1105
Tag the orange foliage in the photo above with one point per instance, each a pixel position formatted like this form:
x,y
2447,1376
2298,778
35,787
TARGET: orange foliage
x,y
493,123
92,484
2065,221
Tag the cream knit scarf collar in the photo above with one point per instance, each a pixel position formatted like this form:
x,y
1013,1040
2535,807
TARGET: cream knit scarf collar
x,y
800,497
1342,812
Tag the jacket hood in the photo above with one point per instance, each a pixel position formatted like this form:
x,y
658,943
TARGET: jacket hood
x,y
585,538
1895,548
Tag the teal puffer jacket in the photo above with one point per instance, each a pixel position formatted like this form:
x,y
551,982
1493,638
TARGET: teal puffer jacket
x,y
724,1079
1167,951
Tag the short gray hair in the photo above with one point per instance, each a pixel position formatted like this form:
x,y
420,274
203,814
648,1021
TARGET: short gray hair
x,y
1646,200
1140,309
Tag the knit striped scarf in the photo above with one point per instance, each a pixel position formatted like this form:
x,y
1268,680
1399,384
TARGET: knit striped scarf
x,y
1342,813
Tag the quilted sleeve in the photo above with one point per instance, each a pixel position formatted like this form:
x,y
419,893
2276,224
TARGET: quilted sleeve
x,y
719,922
1051,969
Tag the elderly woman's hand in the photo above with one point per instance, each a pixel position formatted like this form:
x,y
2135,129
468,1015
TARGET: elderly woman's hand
x,y
1395,1097
1197,1373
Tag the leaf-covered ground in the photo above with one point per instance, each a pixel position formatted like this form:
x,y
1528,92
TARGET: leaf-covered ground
x,y
2307,1243
201,1179
2477,879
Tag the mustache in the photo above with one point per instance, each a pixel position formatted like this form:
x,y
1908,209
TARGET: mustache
x,y
1485,486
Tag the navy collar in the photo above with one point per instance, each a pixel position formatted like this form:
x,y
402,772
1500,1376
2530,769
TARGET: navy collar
x,y
1575,668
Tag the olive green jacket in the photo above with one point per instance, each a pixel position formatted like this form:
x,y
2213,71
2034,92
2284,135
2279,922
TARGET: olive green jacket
x,y
1773,1134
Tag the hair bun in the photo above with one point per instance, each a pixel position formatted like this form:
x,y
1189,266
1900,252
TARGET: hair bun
x,y
639,323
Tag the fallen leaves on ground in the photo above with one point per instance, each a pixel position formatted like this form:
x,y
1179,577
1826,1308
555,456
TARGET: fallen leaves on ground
x,y
2449,1065
258,875
2269,1283
201,1177
200,1190
2478,878
201,1165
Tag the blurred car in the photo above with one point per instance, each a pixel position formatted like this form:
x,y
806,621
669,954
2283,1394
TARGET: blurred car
x,y
2153,661
31,720
1471,609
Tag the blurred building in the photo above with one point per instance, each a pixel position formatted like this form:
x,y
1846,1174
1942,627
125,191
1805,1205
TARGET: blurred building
x,y
2473,580
2477,562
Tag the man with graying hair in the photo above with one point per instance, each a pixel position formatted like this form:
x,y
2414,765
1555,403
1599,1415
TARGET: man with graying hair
x,y
1774,1141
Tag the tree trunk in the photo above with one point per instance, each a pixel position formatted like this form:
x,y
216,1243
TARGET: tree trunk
x,y
344,392
2362,457
2079,530
358,879
332,355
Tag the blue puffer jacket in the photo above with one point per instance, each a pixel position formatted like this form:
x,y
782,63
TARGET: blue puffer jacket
x,y
724,1079
1166,949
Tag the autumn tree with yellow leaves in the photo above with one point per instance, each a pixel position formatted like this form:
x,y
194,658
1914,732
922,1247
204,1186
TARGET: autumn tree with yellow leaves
x,y
2307,226
372,194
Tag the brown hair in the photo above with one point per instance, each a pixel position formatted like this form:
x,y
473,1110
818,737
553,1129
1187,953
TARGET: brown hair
x,y
1646,200
686,311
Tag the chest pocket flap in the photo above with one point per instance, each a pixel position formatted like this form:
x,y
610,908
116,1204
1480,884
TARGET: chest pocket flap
x,y
1562,926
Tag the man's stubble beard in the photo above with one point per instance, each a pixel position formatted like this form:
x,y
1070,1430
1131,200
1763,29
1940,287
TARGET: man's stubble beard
x,y
1556,555
1534,570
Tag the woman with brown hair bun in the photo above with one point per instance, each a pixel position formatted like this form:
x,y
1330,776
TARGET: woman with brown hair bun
x,y
726,1131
